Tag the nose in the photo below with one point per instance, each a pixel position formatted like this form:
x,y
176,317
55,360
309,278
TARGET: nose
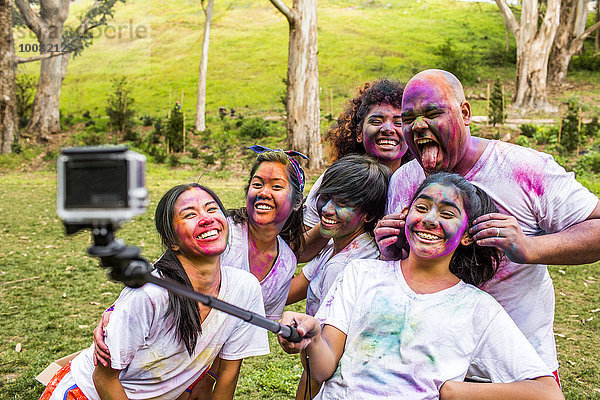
x,y
419,124
430,219
328,208
264,192
387,127
205,218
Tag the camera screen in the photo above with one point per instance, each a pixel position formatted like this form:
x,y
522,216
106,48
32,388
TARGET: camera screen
x,y
96,184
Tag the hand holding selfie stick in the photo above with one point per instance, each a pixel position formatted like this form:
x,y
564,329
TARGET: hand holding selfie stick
x,y
127,266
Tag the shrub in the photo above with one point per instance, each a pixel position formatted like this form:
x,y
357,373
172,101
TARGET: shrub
x,y
174,129
25,87
120,105
496,113
590,162
586,62
528,130
570,135
174,160
194,152
523,141
88,138
255,128
208,159
147,120
499,57
592,128
458,62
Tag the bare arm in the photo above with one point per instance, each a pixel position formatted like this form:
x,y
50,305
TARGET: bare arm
x,y
229,371
323,348
578,244
108,386
314,243
543,388
298,289
101,352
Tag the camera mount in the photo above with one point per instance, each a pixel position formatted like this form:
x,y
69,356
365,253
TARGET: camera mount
x,y
126,265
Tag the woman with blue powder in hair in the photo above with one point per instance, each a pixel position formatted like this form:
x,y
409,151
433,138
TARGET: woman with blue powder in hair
x,y
350,199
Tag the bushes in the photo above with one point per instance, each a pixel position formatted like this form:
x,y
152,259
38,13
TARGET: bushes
x,y
255,128
120,106
590,162
460,63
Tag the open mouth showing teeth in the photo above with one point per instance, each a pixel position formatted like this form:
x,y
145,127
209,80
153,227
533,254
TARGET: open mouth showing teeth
x,y
265,207
208,234
427,236
387,142
328,221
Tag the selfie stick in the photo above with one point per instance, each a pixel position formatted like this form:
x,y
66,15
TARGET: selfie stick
x,y
127,266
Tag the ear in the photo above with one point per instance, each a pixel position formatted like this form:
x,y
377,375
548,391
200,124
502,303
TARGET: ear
x,y
466,239
297,206
465,110
175,248
359,137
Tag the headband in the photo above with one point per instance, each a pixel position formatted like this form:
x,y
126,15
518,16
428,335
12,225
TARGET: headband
x,y
289,153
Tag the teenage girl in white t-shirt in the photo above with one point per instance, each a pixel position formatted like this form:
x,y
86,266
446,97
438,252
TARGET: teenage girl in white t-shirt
x,y
351,200
161,343
416,328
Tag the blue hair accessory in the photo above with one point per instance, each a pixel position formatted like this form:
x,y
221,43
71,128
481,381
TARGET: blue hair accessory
x,y
289,153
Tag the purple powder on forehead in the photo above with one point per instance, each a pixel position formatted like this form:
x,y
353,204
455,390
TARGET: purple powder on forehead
x,y
532,181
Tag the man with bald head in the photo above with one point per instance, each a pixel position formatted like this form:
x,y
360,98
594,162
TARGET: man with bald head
x,y
546,216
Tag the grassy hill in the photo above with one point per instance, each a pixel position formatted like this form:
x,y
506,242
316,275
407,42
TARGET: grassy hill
x,y
157,45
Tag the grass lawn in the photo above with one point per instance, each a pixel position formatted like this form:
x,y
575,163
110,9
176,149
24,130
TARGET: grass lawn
x,y
52,293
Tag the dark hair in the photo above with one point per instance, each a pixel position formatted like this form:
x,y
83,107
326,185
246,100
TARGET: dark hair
x,y
342,134
361,182
473,264
293,230
185,312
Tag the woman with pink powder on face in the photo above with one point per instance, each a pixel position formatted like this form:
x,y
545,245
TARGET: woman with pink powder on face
x,y
370,124
416,328
161,344
261,237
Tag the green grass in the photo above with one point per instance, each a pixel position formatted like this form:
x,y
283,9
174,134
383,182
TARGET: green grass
x,y
53,310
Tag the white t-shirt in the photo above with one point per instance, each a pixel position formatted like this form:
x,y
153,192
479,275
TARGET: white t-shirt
x,y
323,270
276,285
544,198
401,344
154,363
310,215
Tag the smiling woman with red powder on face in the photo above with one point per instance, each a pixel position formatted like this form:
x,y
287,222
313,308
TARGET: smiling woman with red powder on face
x,y
162,344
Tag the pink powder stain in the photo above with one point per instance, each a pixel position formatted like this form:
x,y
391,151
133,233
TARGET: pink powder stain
x,y
531,180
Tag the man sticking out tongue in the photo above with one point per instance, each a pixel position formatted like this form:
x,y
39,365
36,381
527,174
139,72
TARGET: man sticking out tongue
x,y
546,216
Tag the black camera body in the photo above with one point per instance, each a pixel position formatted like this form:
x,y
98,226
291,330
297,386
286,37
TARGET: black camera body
x,y
100,186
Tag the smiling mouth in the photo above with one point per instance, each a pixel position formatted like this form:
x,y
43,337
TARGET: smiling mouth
x,y
428,236
386,142
328,221
264,207
208,234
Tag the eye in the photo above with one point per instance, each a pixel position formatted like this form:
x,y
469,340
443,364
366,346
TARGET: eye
x,y
189,215
408,120
278,186
375,120
212,209
433,114
448,214
256,185
398,122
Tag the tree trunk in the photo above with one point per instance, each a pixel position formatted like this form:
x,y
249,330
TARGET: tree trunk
x,y
45,115
597,41
533,51
569,39
8,100
201,101
561,48
303,114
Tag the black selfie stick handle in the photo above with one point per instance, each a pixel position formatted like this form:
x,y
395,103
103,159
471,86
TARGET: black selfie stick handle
x,y
287,332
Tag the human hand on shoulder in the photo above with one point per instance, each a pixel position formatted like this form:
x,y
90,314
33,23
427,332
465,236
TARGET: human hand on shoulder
x,y
308,327
101,351
389,235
